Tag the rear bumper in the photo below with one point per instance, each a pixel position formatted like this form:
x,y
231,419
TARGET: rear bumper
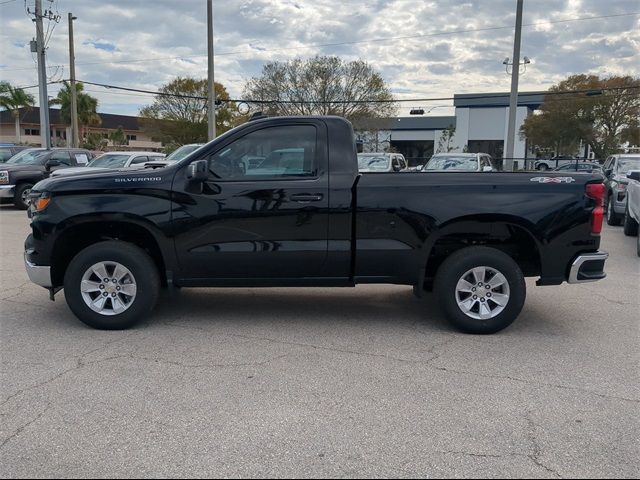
x,y
588,267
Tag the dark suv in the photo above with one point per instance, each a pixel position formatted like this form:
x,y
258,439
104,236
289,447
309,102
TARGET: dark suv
x,y
28,167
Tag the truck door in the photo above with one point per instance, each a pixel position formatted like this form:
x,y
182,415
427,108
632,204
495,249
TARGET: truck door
x,y
263,212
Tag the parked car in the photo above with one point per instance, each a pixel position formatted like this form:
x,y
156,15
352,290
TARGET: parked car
x,y
183,151
615,172
112,161
580,167
459,162
8,151
112,240
632,210
28,167
554,162
381,162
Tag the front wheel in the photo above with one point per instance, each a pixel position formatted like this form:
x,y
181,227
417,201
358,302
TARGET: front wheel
x,y
543,167
481,289
613,218
21,197
111,285
630,226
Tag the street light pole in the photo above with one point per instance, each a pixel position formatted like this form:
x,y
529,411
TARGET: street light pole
x,y
513,100
212,88
45,129
75,134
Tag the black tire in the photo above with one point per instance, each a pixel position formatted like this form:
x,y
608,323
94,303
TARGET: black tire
x,y
21,189
638,246
543,167
630,226
613,218
136,260
453,269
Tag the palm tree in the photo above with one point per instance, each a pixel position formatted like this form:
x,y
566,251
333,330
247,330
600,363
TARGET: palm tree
x,y
13,99
87,106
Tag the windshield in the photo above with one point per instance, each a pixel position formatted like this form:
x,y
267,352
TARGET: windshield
x,y
463,164
373,164
28,157
181,152
109,161
628,163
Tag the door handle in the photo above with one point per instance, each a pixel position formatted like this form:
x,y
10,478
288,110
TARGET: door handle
x,y
306,197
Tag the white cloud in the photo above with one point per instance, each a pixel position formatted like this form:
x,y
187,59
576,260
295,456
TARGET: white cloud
x,y
249,33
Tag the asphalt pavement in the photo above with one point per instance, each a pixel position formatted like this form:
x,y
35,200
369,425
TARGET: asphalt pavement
x,y
284,382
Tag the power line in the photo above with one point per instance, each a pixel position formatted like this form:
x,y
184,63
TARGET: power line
x,y
335,44
587,92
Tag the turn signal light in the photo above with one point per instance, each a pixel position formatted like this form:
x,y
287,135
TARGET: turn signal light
x,y
41,203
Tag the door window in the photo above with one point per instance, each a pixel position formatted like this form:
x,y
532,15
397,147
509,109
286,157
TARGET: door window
x,y
62,157
270,153
139,160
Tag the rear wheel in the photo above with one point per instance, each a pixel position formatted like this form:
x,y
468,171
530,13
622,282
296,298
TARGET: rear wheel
x,y
481,289
613,218
21,196
630,226
543,167
111,285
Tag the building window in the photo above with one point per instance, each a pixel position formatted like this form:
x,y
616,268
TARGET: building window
x,y
32,131
132,137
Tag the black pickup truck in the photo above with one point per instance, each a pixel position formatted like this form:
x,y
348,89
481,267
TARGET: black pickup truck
x,y
280,202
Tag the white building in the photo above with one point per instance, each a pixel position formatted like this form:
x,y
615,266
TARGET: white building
x,y
480,122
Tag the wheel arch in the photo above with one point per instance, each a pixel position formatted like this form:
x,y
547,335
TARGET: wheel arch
x,y
79,233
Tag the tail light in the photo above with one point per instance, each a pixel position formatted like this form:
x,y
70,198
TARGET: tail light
x,y
596,191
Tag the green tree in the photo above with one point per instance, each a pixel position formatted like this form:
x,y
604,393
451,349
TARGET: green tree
x,y
87,107
604,116
118,138
180,115
13,99
445,144
321,85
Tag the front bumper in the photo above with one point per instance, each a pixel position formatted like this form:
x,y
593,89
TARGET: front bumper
x,y
38,274
588,267
7,191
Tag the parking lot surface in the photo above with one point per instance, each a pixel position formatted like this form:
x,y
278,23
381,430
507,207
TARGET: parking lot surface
x,y
290,382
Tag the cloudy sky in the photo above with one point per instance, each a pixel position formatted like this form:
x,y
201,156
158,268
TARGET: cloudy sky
x,y
422,48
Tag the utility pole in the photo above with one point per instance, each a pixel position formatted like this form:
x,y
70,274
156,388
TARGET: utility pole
x,y
212,88
75,134
45,129
513,100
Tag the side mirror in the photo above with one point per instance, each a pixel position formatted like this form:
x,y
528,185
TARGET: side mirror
x,y
52,163
608,172
487,169
634,175
198,171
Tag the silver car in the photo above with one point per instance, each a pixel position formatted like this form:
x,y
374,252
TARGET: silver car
x,y
381,162
616,181
459,162
113,161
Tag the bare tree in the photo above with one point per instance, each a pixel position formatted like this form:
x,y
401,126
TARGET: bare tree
x,y
321,86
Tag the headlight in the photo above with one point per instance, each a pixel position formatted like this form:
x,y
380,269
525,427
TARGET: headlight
x,y
41,202
4,177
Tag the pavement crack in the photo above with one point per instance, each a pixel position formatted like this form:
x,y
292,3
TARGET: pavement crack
x,y
538,384
537,449
21,429
187,365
